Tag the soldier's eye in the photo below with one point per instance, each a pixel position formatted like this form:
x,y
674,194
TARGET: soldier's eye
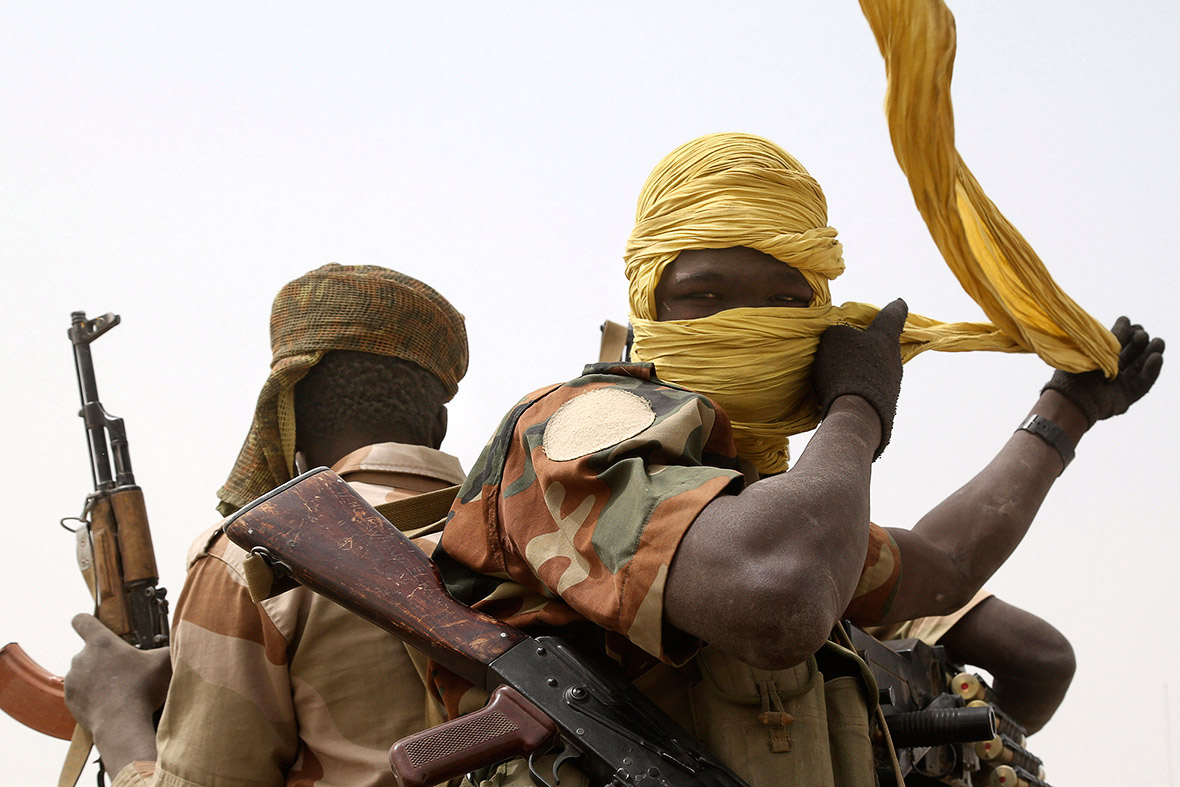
x,y
790,300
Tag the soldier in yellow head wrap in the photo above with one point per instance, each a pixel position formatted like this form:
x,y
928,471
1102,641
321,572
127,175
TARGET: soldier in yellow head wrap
x,y
729,267
650,499
728,191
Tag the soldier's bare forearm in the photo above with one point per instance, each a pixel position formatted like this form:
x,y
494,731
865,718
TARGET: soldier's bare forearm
x,y
961,542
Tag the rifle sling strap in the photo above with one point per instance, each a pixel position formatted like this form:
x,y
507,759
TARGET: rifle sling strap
x,y
614,342
79,752
260,578
415,516
840,635
421,514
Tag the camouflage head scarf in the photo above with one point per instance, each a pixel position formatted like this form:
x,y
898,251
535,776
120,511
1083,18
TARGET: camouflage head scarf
x,y
339,307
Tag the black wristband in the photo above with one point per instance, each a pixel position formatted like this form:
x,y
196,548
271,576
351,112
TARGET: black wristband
x,y
1052,434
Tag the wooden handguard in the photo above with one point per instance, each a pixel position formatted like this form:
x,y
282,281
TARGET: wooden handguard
x,y
334,543
125,568
508,726
135,537
108,577
32,695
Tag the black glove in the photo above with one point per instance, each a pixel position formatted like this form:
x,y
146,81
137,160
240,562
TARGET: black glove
x,y
866,363
1139,365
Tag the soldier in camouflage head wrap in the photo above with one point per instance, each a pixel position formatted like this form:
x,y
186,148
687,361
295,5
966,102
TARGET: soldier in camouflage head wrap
x,y
339,307
296,689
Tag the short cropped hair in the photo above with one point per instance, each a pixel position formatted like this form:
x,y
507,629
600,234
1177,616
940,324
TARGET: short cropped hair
x,y
396,399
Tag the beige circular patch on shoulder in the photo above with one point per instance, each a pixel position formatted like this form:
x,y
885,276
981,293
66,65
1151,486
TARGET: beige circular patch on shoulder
x,y
593,421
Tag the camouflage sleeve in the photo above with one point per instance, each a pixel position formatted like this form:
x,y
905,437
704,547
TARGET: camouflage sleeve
x,y
879,580
577,506
229,707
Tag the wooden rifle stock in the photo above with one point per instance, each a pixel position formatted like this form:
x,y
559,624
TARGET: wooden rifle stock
x,y
330,540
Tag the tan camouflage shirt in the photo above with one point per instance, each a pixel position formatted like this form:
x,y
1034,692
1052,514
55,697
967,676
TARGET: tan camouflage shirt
x,y
295,690
575,508
931,629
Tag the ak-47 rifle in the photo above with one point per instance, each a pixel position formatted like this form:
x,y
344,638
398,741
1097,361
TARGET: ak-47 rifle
x,y
944,722
114,549
545,697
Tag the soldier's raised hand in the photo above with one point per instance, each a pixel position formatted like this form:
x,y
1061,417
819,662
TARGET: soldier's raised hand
x,y
1140,361
865,363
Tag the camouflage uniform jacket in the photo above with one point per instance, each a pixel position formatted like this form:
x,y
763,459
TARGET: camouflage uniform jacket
x,y
295,690
575,508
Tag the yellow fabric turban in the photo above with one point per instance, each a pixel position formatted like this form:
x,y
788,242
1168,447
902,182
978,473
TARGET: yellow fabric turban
x,y
993,262
364,308
727,190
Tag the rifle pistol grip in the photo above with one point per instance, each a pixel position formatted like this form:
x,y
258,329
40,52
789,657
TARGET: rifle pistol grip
x,y
508,726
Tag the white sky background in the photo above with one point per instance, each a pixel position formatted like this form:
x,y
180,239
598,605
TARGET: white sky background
x,y
177,164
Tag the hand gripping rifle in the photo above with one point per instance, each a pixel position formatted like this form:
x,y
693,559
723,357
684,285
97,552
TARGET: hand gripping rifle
x,y
114,549
545,697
